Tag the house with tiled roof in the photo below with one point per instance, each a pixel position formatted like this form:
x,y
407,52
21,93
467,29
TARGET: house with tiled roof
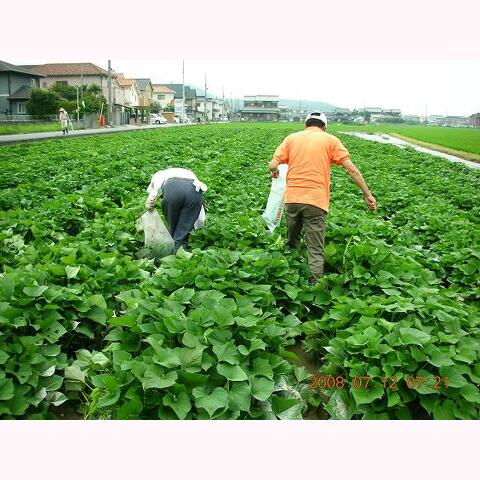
x,y
77,74
129,91
16,85
163,95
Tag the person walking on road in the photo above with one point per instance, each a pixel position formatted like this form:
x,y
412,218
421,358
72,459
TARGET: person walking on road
x,y
63,117
309,155
182,202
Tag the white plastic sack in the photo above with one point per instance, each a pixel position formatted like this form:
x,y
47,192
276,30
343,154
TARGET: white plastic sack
x,y
158,240
200,221
276,199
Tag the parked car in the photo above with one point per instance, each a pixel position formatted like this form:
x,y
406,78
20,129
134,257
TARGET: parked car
x,y
157,119
179,119
224,119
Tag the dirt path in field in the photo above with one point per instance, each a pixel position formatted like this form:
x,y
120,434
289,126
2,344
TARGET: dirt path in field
x,y
400,142
312,365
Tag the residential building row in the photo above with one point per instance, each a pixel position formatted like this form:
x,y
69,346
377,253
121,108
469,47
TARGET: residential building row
x,y
394,115
139,95
135,95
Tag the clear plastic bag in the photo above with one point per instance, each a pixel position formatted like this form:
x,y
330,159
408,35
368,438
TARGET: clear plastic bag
x,y
276,199
158,241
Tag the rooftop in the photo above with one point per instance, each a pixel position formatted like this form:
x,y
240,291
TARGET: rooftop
x,y
65,69
261,98
124,82
161,89
23,93
8,67
143,83
190,92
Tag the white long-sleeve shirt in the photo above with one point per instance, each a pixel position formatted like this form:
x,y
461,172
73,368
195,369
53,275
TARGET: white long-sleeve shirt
x,y
159,179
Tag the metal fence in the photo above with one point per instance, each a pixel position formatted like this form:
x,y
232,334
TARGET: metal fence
x,y
7,118
89,120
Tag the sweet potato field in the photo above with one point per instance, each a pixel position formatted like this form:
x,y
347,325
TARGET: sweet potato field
x,y
87,327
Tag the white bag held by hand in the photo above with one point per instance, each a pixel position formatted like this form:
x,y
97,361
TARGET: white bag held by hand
x,y
276,199
158,240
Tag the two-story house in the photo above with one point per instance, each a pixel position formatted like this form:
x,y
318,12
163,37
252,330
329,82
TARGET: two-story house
x,y
260,108
204,108
16,85
146,90
130,92
76,74
163,95
190,99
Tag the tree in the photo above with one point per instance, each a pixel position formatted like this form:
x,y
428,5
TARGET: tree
x,y
93,98
155,107
69,105
67,92
90,97
43,103
94,90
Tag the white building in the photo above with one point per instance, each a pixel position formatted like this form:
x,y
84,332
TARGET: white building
x,y
131,92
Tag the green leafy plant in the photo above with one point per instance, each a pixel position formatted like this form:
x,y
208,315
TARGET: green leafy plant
x,y
85,325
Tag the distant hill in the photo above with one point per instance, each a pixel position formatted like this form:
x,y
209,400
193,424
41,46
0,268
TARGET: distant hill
x,y
307,105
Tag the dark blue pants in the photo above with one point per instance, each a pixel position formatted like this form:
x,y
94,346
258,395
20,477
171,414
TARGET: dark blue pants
x,y
181,206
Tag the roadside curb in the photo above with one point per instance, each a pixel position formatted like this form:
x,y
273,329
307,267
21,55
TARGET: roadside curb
x,y
43,136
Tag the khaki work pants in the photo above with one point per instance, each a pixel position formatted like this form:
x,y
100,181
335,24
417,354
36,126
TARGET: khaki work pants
x,y
314,220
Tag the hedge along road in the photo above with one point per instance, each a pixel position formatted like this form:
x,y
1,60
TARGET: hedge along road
x,y
40,136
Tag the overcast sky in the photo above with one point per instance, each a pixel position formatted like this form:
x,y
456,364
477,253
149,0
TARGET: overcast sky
x,y
412,55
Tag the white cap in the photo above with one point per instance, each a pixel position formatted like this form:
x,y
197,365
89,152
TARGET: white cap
x,y
317,115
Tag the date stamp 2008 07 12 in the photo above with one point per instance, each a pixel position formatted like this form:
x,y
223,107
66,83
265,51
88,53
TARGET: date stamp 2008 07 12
x,y
413,382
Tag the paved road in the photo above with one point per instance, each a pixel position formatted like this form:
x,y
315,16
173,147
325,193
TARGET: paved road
x,y
40,136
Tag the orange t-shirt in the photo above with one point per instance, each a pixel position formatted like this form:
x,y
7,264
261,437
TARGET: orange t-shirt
x,y
309,155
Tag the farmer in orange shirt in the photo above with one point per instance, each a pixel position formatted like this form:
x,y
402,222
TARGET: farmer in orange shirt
x,y
309,155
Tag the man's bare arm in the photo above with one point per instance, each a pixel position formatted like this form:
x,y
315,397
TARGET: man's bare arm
x,y
357,177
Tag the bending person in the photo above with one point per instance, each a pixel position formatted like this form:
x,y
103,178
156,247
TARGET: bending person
x,y
182,202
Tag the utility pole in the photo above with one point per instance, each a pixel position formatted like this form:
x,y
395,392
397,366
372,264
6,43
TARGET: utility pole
x,y
78,107
110,109
81,97
183,92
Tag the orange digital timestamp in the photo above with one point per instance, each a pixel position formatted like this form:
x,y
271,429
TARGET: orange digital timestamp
x,y
412,382
330,382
